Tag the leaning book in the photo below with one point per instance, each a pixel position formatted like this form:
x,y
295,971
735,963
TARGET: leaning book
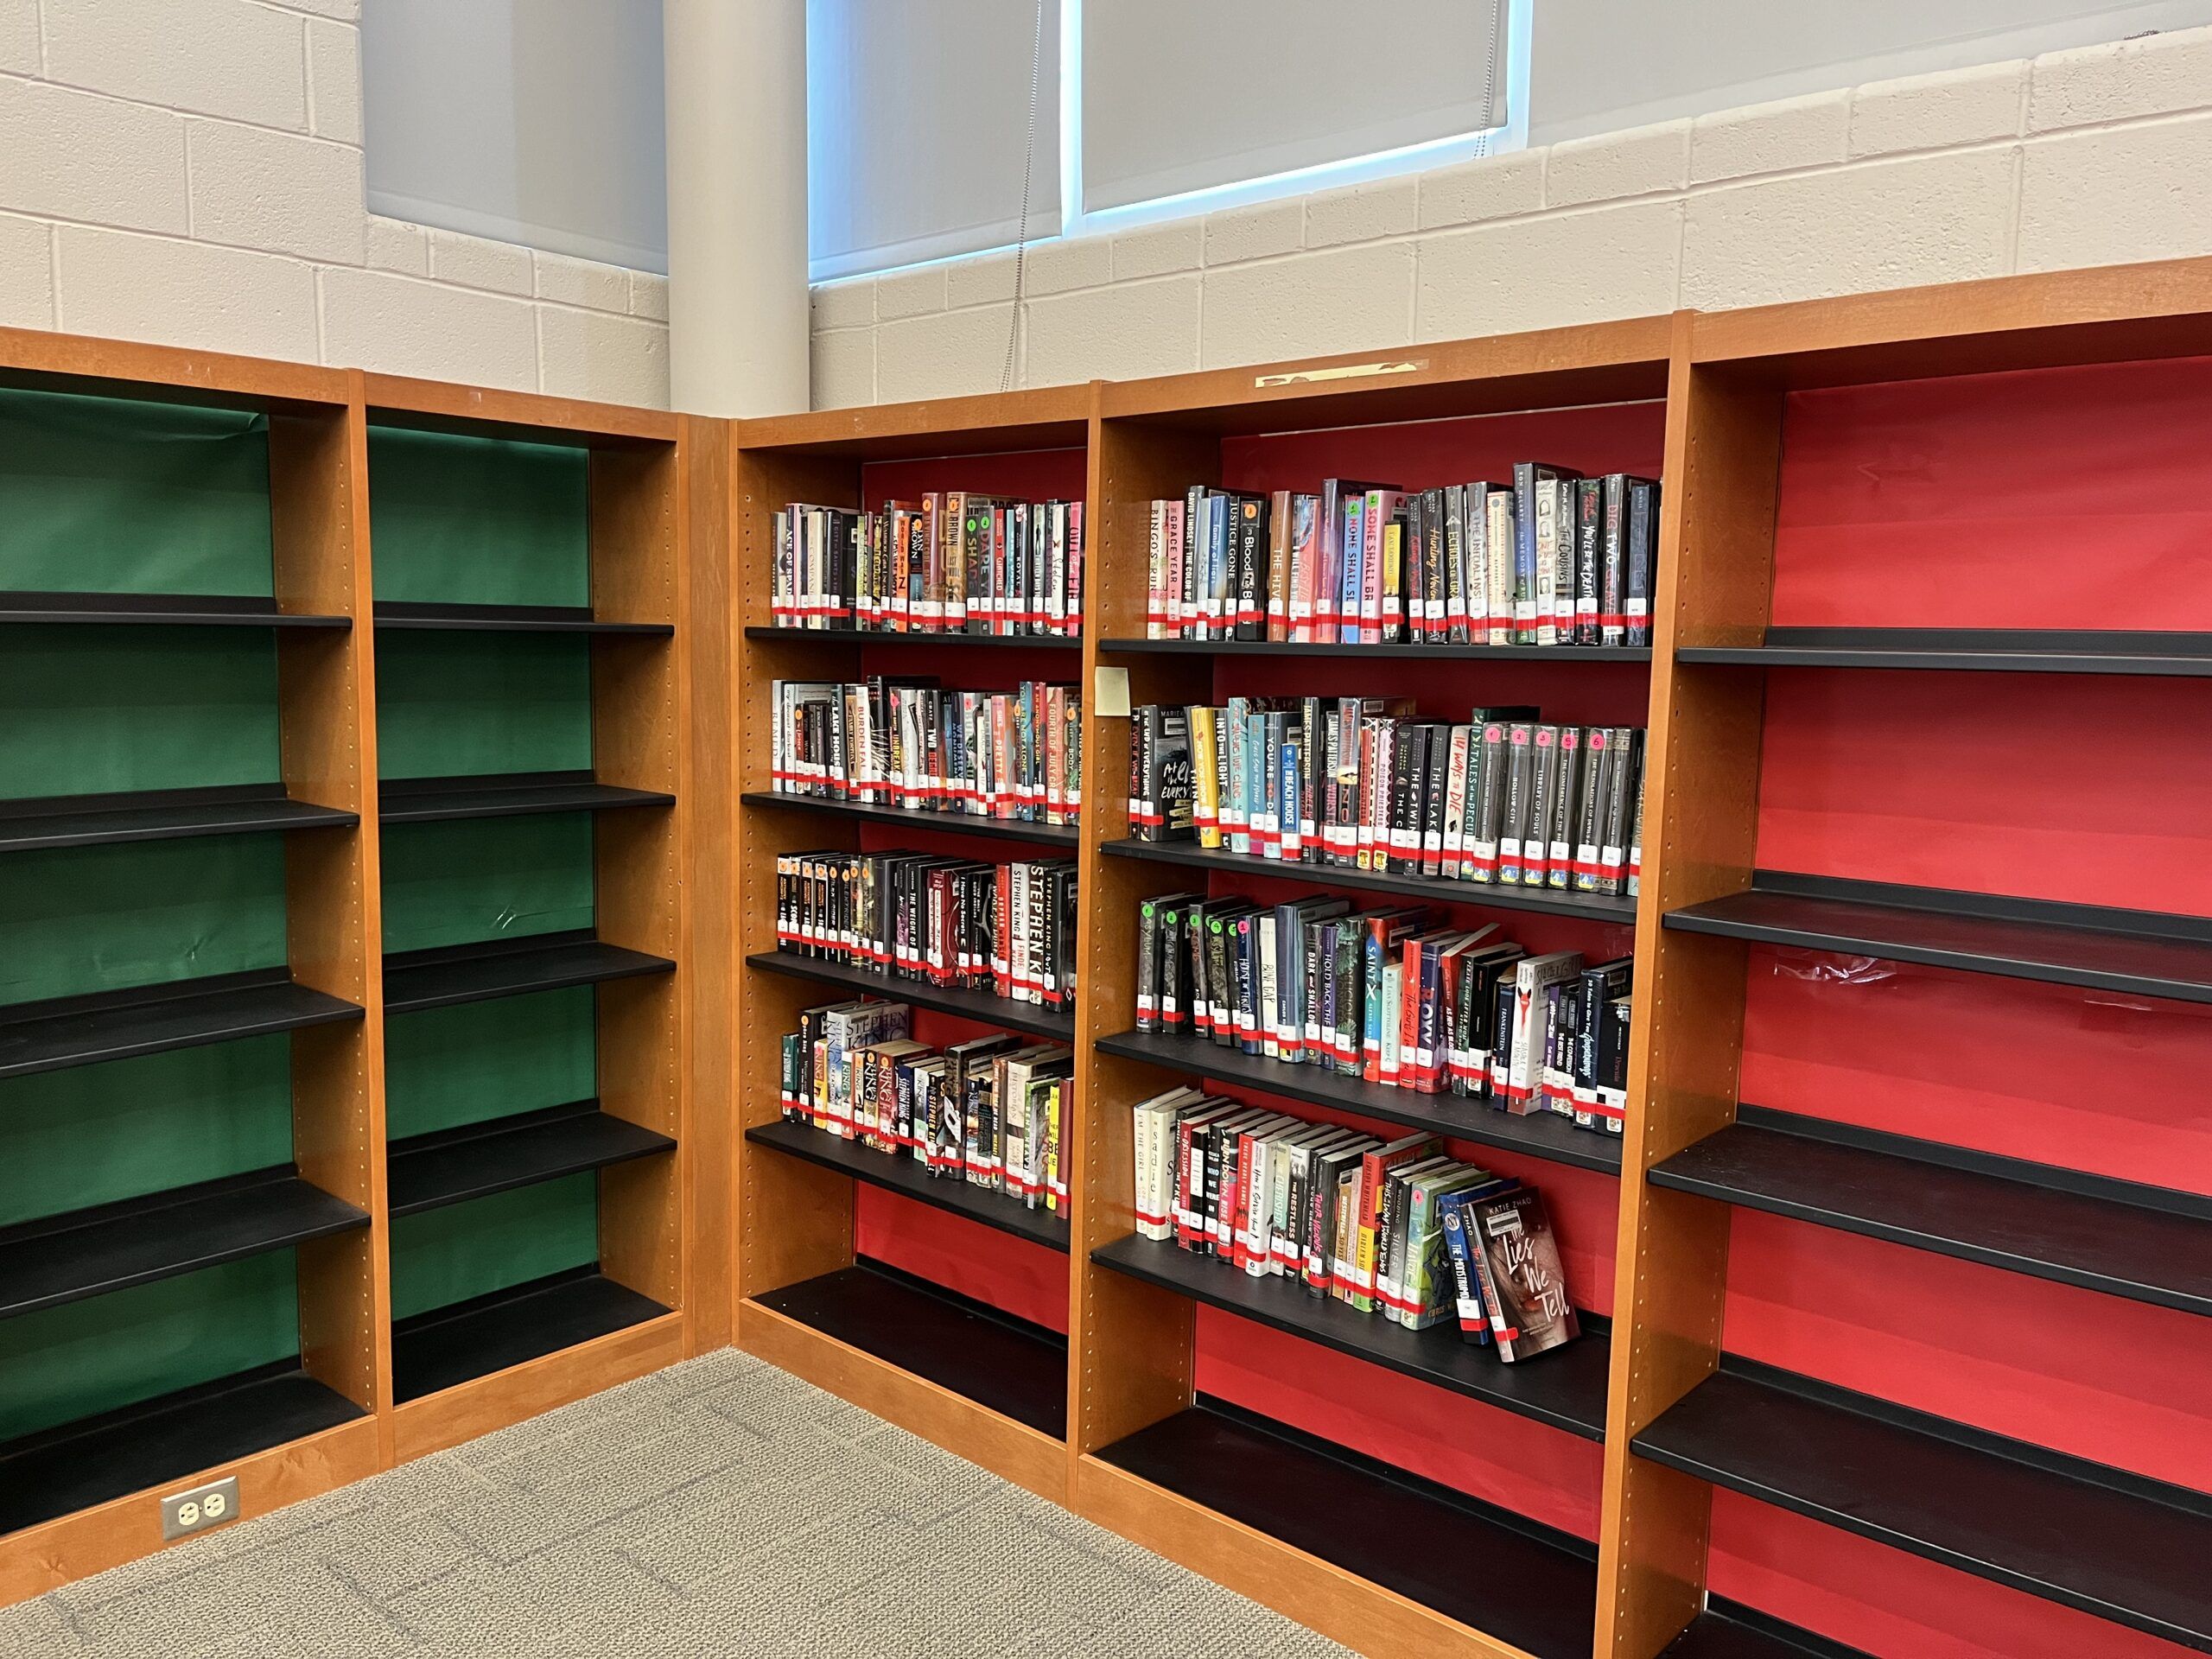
x,y
1530,1312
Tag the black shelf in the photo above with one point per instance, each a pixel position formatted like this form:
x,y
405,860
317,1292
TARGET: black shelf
x,y
2146,1243
1987,651
1539,1135
874,637
66,1031
2081,1534
508,619
111,1246
1003,1364
159,815
1522,1584
1589,906
960,824
171,610
2135,952
1564,1389
428,800
1728,1629
1033,1018
1420,653
60,1471
451,1345
477,1159
477,973
901,1174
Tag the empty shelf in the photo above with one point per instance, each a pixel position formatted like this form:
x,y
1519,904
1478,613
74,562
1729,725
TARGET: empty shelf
x,y
2089,1537
1001,1362
2143,1243
117,1024
1035,1018
1538,1134
1593,907
963,824
185,610
426,800
477,1159
1999,651
1565,1389
82,1253
1727,1630
451,1345
159,815
60,1471
507,619
477,973
901,1174
2143,953
1514,1580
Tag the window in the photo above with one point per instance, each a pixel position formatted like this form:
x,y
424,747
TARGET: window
x,y
920,113
531,121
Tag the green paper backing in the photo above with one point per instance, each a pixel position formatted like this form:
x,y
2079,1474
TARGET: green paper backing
x,y
454,704
78,919
111,495
95,1134
445,1067
83,1358
478,521
93,710
442,1256
473,879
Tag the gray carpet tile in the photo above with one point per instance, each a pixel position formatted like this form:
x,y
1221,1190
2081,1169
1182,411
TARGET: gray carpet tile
x,y
718,1507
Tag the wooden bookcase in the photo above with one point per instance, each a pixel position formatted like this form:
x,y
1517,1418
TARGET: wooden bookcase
x,y
534,695
1729,1467
835,1245
196,1247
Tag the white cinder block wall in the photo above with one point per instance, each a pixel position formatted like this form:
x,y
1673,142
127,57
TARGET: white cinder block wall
x,y
2101,155
189,172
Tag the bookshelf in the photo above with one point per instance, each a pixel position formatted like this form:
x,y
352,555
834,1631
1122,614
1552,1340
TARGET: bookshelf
x,y
195,1244
191,1226
1748,1439
528,598
939,1305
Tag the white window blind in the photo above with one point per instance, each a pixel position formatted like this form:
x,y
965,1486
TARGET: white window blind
x,y
1179,96
531,121
917,113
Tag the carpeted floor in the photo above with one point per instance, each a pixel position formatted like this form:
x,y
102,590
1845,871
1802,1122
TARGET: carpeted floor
x,y
721,1507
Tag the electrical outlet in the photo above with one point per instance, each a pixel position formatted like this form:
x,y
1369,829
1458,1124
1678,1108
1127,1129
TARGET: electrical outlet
x,y
212,1506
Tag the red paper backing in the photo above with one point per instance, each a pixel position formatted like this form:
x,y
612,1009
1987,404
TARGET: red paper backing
x,y
2069,499
2078,497
1428,455
2089,789
1024,475
1010,1273
1544,1473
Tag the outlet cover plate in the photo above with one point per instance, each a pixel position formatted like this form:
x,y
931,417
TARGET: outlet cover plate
x,y
214,1504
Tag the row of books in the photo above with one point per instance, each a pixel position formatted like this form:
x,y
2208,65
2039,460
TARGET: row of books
x,y
1501,798
1400,1229
1004,928
1392,997
1557,559
952,563
906,742
988,1111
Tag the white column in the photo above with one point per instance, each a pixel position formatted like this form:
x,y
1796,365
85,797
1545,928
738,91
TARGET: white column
x,y
738,320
